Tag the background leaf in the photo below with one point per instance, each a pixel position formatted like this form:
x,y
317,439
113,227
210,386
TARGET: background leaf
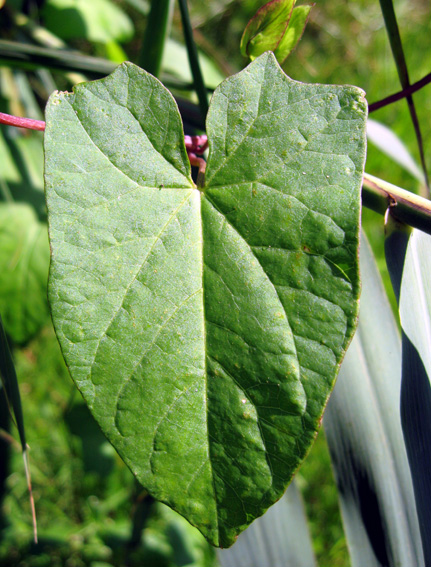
x,y
389,143
99,20
179,301
266,28
293,33
21,168
24,257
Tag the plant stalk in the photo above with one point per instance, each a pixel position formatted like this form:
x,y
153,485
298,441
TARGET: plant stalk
x,y
156,34
405,206
28,123
391,24
194,58
31,57
401,94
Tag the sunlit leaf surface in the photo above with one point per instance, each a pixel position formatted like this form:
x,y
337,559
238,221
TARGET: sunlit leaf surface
x,y
205,326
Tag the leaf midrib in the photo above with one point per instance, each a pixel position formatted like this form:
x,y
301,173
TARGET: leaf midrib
x,y
218,362
217,523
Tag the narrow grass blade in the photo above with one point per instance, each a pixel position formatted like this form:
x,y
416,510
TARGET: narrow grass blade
x,y
6,440
156,34
372,107
400,61
416,421
280,538
4,435
41,36
409,266
10,385
365,439
32,57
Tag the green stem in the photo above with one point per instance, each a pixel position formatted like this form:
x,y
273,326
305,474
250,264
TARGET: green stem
x,y
401,64
406,207
45,38
156,33
193,58
30,57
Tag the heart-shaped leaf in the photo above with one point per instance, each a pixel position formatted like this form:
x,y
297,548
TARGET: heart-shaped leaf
x,y
205,326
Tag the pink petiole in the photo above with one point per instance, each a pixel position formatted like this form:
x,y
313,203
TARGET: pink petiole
x,y
195,145
28,123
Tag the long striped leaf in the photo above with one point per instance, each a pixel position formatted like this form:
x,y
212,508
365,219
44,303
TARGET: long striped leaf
x,y
411,262
365,438
415,299
279,539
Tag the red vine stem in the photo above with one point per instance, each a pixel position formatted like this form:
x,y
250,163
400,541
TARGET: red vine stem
x,y
401,94
40,124
22,122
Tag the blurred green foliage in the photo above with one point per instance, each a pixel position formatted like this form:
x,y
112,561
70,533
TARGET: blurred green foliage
x,y
86,499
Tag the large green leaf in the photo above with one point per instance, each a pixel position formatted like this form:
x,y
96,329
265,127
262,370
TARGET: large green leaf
x,y
205,326
24,260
